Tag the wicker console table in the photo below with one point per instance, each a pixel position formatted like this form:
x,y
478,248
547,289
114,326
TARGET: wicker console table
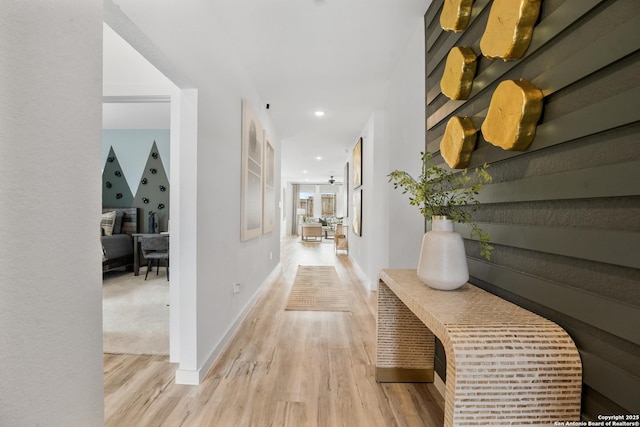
x,y
505,365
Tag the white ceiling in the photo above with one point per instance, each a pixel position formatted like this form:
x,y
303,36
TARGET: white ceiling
x,y
306,55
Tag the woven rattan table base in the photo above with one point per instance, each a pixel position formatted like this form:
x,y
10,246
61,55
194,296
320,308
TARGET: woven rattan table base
x,y
505,365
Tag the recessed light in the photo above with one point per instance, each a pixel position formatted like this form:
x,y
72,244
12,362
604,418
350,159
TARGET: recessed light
x,y
319,113
304,171
319,158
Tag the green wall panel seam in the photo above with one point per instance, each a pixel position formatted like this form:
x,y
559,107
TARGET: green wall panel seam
x,y
615,45
612,316
618,385
611,247
618,180
431,17
621,42
452,40
616,111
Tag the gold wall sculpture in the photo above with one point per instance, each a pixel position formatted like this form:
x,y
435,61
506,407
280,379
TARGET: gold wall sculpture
x,y
514,111
455,15
459,70
458,142
509,28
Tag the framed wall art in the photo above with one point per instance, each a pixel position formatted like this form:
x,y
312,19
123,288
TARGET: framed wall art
x,y
345,190
252,171
357,164
357,212
268,187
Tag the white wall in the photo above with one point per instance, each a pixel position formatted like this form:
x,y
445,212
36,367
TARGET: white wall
x,y
392,139
220,258
370,248
50,274
405,113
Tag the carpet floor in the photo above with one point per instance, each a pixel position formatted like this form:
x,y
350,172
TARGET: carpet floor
x,y
318,288
135,313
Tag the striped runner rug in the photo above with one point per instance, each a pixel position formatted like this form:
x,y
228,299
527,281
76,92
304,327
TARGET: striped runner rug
x,y
318,288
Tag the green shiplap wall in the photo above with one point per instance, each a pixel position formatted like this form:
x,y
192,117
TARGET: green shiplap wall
x,y
564,215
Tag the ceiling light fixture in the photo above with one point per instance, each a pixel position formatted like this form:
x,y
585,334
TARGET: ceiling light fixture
x,y
331,180
319,113
319,158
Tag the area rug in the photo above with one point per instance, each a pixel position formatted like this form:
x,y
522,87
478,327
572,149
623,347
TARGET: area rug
x,y
318,288
135,314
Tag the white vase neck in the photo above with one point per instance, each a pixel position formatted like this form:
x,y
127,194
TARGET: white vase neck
x,y
441,223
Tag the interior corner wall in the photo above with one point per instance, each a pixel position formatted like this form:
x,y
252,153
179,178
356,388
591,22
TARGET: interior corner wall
x,y
405,112
563,214
392,139
362,246
222,260
50,305
370,249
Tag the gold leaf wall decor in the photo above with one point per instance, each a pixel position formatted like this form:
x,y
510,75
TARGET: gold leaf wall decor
x,y
458,142
459,70
509,28
455,15
514,111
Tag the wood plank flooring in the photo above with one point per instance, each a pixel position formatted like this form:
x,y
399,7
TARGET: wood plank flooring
x,y
283,368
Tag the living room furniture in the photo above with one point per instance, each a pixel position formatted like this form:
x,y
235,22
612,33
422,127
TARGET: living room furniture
x,y
117,247
505,365
155,247
311,230
340,240
137,238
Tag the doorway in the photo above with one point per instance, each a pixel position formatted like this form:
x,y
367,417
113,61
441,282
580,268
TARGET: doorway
x,y
152,83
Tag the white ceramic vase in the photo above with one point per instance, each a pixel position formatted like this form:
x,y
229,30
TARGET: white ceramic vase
x,y
443,261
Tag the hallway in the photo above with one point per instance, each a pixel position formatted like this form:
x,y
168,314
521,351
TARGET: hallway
x,y
283,368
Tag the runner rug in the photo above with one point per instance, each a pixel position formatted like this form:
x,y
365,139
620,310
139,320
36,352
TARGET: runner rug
x,y
318,288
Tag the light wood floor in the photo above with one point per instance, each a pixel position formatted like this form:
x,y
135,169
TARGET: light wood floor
x,y
283,368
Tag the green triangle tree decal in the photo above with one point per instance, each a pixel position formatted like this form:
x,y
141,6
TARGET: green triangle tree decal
x,y
153,193
115,189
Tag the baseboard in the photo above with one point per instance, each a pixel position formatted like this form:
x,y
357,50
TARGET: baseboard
x,y
187,377
194,377
363,277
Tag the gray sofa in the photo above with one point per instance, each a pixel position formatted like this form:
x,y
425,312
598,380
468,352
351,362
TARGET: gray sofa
x,y
117,248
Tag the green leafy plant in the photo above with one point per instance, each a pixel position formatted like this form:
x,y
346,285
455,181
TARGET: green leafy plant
x,y
440,192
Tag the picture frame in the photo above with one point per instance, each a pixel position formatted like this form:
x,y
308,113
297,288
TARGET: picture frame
x,y
357,212
357,164
346,192
268,186
252,174
283,204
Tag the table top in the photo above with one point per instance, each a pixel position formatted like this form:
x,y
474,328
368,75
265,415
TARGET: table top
x,y
467,305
